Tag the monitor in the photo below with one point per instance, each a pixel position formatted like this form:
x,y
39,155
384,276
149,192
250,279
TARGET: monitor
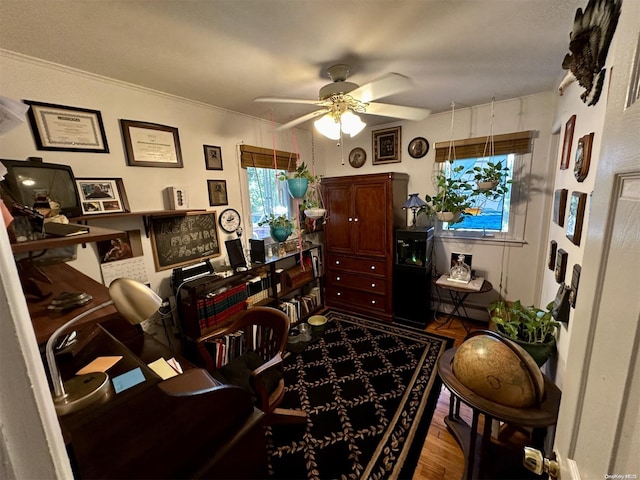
x,y
31,181
236,254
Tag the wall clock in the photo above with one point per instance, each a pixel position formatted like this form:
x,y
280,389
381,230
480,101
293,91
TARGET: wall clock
x,y
357,157
418,147
229,220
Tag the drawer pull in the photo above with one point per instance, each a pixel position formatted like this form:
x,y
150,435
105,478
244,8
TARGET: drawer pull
x,y
337,279
337,262
338,294
373,285
355,219
373,302
350,219
373,267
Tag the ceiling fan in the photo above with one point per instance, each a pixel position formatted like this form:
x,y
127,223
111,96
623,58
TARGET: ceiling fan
x,y
340,101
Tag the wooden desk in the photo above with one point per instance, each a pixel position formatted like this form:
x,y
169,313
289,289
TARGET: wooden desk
x,y
66,279
478,448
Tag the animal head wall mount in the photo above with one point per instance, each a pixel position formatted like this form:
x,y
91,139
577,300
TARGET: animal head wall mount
x,y
589,43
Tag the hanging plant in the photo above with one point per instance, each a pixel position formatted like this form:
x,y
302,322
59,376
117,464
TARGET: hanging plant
x,y
491,179
299,181
452,198
280,227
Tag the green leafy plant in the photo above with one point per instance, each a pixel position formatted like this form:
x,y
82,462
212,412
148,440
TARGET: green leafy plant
x,y
275,221
453,194
524,323
493,173
302,171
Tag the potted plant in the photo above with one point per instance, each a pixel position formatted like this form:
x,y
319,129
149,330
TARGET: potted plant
x,y
491,178
452,198
280,227
530,327
312,203
299,180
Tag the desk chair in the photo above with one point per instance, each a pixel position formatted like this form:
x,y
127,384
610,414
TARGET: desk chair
x,y
258,368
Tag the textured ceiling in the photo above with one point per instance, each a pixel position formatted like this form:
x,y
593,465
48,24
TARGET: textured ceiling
x,y
227,52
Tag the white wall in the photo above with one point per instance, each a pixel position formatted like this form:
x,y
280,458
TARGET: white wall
x,y
521,271
198,125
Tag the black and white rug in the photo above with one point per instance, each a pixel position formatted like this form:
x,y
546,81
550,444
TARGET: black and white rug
x,y
369,389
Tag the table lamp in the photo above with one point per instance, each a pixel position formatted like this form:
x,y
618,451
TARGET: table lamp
x,y
136,303
414,203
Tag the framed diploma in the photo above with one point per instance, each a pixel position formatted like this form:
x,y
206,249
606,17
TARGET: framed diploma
x,y
69,129
151,145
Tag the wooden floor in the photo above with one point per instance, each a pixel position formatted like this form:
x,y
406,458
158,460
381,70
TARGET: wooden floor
x,y
441,457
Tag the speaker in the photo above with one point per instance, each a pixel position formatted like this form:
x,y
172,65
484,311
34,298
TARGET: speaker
x,y
257,250
176,198
236,255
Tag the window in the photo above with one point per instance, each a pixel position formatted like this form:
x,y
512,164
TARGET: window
x,y
490,213
267,194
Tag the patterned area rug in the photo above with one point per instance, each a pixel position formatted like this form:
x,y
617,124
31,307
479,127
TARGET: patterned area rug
x,y
370,390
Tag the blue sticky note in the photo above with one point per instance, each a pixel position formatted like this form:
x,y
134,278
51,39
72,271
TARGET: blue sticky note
x,y
128,380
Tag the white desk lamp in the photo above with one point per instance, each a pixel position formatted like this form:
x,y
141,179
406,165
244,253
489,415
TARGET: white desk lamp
x,y
136,303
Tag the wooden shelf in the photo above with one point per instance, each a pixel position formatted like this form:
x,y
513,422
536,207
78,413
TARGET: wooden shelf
x,y
96,234
146,216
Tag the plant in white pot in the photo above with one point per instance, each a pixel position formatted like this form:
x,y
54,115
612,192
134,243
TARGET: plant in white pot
x,y
491,179
312,204
452,197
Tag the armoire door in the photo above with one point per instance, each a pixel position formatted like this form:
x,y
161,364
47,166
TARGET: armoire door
x,y
338,234
371,228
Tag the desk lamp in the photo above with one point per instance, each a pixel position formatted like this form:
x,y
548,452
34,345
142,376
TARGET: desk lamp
x,y
414,203
136,303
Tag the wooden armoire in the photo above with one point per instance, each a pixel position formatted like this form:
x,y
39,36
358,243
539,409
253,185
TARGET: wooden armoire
x,y
363,212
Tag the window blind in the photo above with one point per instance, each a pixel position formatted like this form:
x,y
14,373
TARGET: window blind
x,y
518,143
251,156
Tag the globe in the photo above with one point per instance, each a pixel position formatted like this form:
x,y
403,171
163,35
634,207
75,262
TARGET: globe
x,y
499,370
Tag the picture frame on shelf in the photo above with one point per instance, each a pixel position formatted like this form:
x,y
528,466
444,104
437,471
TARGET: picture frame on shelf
x,y
386,145
67,129
151,145
99,196
575,218
559,205
217,192
212,157
567,142
583,157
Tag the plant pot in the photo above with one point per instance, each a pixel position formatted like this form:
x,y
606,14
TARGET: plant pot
x,y
484,186
280,234
540,352
448,216
297,187
315,213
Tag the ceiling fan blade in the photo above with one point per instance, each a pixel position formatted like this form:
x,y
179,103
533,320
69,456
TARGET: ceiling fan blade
x,y
288,100
389,84
397,111
302,119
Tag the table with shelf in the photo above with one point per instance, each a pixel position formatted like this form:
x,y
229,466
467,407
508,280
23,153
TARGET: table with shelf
x,y
459,292
483,458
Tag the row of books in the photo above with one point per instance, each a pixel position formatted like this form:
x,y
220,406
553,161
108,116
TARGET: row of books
x,y
224,350
215,307
301,305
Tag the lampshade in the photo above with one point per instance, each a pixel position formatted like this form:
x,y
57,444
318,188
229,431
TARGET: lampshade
x,y
414,203
136,303
350,123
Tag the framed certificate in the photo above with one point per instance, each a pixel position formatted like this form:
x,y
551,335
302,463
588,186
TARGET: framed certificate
x,y
151,145
69,129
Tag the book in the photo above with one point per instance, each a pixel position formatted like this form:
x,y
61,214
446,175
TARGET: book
x,y
64,229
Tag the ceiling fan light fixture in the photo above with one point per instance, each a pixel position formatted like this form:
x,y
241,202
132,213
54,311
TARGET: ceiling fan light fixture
x,y
328,127
351,123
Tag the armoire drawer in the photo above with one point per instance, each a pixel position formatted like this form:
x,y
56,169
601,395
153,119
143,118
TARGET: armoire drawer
x,y
366,283
355,264
354,298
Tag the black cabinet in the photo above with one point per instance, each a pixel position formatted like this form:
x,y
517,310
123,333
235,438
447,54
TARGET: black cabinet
x,y
412,275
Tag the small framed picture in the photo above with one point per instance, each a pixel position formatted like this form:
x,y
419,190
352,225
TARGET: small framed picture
x,y
553,250
213,157
583,157
102,195
562,257
217,192
576,216
386,145
559,205
418,147
567,142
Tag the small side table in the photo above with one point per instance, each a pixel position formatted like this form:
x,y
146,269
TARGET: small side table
x,y
478,448
459,293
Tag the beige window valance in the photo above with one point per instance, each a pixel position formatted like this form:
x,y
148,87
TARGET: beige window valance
x,y
258,157
519,142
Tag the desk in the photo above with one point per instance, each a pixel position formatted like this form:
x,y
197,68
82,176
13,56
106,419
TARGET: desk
x,y
459,293
478,448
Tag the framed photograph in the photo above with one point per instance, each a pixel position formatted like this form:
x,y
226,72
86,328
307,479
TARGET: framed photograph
x,y
559,205
575,281
151,145
567,142
386,145
576,216
357,157
418,147
583,157
217,192
561,265
102,195
212,157
553,250
69,129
